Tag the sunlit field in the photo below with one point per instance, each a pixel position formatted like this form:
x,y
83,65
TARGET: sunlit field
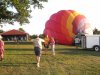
x,y
19,59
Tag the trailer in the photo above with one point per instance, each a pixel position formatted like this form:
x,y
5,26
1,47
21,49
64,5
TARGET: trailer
x,y
90,42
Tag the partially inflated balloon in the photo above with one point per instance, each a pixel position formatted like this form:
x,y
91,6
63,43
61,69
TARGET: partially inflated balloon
x,y
65,24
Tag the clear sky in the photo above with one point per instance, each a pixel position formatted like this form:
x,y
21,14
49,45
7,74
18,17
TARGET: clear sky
x,y
89,8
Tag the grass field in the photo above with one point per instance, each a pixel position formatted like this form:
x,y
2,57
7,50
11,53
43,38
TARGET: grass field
x,y
20,60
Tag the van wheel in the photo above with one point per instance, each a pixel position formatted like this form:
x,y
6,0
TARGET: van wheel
x,y
96,48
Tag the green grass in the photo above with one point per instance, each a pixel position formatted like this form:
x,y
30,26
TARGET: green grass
x,y
20,60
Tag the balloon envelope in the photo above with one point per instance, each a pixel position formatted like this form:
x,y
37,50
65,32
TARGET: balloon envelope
x,y
65,24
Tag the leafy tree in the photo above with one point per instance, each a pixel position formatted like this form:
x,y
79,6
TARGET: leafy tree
x,y
1,31
42,36
21,29
32,36
22,7
96,31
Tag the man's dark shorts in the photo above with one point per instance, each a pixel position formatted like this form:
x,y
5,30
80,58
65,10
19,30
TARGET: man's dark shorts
x,y
76,44
37,51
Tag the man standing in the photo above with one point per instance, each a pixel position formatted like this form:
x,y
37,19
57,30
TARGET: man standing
x,y
77,41
37,48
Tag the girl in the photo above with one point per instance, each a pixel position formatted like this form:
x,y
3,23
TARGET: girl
x,y
1,48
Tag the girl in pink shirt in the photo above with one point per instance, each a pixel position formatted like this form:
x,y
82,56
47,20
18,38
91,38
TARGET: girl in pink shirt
x,y
1,49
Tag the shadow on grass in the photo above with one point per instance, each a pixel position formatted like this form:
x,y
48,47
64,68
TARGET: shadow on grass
x,y
19,54
16,64
21,49
74,51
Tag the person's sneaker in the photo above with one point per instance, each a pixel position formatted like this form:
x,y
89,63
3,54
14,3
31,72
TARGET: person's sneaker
x,y
38,65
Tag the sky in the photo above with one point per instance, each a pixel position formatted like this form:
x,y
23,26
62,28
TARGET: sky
x,y
89,8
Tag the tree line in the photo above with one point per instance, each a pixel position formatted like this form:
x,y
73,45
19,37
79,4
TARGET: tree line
x,y
96,31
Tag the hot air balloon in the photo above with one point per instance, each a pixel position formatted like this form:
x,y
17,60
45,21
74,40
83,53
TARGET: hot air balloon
x,y
65,24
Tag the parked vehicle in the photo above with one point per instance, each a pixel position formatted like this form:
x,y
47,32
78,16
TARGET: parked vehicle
x,y
90,42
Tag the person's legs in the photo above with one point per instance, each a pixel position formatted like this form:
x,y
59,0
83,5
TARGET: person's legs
x,y
46,48
76,45
37,53
46,51
1,56
38,61
53,49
